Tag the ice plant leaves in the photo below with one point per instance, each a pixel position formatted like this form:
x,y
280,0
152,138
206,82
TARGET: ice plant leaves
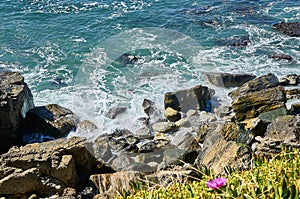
x,y
216,183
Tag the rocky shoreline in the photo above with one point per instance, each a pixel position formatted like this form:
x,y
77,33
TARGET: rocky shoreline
x,y
191,133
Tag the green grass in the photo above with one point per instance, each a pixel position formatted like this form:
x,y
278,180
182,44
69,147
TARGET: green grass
x,y
278,177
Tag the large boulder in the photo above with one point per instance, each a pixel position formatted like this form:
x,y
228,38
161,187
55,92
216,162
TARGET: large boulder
x,y
196,98
224,146
228,80
288,28
46,168
52,120
258,96
283,132
15,100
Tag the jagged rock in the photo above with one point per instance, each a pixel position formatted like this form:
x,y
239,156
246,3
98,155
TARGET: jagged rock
x,y
228,80
48,167
260,83
289,80
126,59
184,139
113,112
141,127
196,98
282,56
15,100
52,120
293,93
221,148
282,132
85,127
148,106
121,162
111,185
172,115
256,126
253,104
291,29
164,127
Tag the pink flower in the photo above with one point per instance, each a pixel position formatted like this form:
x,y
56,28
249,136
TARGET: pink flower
x,y
216,183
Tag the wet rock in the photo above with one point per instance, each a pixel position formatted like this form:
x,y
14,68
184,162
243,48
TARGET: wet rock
x,y
284,132
46,168
295,109
85,127
260,83
228,80
291,29
148,106
196,98
126,59
293,93
141,127
113,112
15,100
164,127
282,56
52,120
172,115
236,41
292,79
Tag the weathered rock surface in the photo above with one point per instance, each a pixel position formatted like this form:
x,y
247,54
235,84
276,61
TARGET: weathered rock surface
x,y
113,112
172,115
253,104
51,119
224,146
291,79
260,83
196,98
291,29
228,80
284,132
164,127
15,100
258,96
293,93
45,168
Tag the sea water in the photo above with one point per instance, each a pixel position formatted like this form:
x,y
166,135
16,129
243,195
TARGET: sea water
x,y
68,50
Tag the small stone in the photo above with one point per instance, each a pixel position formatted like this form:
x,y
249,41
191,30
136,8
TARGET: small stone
x,y
289,80
164,127
295,109
172,115
113,112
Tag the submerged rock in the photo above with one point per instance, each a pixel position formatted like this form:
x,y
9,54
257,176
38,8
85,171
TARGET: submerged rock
x,y
288,28
52,120
228,80
15,100
282,56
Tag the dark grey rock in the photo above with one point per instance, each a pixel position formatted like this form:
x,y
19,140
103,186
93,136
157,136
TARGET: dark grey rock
x,y
196,98
282,56
15,100
52,120
228,80
283,132
291,29
113,112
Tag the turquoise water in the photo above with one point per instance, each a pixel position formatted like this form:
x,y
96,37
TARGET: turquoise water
x,y
67,50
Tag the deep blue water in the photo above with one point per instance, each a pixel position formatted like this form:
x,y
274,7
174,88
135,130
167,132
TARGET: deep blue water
x,y
67,49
